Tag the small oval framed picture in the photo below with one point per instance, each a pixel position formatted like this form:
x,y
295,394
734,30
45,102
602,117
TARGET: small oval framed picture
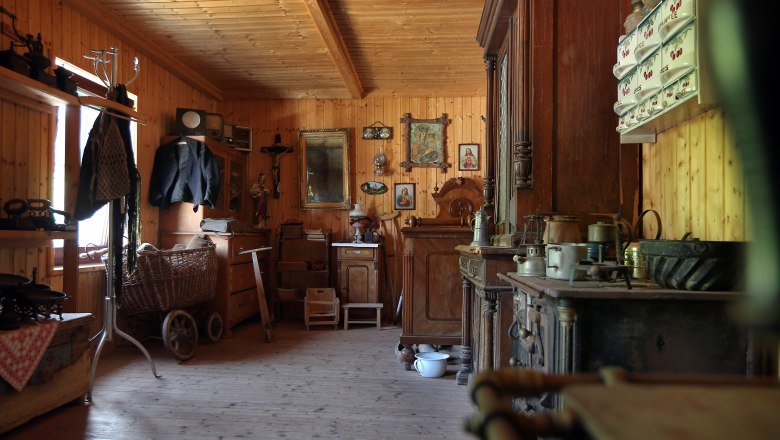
x,y
468,157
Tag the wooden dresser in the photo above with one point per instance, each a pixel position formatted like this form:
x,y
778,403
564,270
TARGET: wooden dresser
x,y
236,296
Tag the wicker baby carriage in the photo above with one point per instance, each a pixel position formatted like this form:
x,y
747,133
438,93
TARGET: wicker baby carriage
x,y
167,282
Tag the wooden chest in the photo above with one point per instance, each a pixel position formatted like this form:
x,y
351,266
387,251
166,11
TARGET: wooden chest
x,y
62,375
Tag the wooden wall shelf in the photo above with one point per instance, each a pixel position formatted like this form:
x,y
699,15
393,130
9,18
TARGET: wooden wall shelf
x,y
13,238
29,88
26,92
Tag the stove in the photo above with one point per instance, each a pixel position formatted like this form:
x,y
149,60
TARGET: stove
x,y
565,327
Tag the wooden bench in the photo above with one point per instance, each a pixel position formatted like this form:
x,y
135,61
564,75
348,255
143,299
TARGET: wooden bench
x,y
347,307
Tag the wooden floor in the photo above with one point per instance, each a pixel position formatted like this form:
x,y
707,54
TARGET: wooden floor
x,y
321,384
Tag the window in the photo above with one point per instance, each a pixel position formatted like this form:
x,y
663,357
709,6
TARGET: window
x,y
93,232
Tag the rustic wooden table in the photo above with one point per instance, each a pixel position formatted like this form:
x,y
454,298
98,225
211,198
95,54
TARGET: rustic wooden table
x,y
681,412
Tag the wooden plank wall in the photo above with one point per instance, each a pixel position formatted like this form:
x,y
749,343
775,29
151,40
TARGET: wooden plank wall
x,y
692,176
286,117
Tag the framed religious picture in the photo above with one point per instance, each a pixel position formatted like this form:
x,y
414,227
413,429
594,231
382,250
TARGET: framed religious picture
x,y
468,157
425,142
404,196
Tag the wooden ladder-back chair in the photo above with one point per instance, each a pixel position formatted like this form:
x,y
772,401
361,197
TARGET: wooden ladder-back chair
x,y
321,307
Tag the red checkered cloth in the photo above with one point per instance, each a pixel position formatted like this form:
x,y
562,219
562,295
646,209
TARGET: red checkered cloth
x,y
21,350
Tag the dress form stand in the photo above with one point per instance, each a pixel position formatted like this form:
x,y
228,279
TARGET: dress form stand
x,y
109,310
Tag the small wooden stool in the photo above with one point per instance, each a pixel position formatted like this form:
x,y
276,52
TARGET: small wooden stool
x,y
377,306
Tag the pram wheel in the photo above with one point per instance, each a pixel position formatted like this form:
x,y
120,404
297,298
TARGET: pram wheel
x,y
180,334
214,327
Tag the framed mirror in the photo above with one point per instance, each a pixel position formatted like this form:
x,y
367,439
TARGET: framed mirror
x,y
324,168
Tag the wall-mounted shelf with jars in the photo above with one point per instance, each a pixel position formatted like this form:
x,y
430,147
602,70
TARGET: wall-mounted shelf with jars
x,y
662,70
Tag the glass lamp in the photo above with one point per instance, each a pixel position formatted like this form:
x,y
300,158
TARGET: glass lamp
x,y
358,220
380,160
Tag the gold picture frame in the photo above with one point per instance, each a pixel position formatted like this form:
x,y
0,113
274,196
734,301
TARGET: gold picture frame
x,y
425,142
323,171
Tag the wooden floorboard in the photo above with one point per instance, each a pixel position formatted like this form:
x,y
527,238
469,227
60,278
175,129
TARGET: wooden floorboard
x,y
320,384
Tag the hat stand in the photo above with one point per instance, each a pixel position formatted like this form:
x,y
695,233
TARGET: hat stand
x,y
106,334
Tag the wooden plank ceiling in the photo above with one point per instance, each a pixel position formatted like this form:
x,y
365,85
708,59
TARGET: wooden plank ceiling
x,y
311,48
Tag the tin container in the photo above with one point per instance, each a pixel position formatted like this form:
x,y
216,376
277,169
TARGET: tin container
x,y
635,261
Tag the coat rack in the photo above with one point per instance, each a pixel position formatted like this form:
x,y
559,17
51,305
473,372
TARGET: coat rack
x,y
100,59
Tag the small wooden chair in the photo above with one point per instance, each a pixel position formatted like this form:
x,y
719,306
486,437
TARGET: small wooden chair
x,y
321,307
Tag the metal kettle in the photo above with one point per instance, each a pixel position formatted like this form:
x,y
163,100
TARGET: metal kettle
x,y
533,263
479,224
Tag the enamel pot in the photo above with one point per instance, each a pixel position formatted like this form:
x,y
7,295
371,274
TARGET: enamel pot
x,y
561,257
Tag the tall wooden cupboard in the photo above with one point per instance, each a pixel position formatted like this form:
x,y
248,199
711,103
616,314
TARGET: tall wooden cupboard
x,y
236,298
551,130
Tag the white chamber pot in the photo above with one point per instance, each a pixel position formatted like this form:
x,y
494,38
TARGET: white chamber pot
x,y
431,364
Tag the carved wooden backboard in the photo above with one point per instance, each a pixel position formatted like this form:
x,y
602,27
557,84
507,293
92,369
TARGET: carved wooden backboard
x,y
459,198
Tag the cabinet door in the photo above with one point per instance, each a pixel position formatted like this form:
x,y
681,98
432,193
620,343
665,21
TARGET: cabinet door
x,y
220,206
358,281
235,186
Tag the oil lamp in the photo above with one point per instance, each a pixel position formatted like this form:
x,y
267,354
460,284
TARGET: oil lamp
x,y
358,220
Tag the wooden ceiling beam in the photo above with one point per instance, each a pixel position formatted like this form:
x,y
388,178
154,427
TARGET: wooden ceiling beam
x,y
326,24
105,19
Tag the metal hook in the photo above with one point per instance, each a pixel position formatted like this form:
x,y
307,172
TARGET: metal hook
x,y
99,58
137,69
102,58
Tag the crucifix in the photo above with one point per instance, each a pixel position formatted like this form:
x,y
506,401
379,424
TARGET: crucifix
x,y
276,151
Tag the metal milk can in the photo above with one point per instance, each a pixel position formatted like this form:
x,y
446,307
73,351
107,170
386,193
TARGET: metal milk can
x,y
479,224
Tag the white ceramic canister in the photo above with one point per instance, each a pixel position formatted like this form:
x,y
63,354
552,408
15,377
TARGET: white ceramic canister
x,y
679,55
562,256
686,85
675,14
655,103
648,37
625,93
649,76
625,55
